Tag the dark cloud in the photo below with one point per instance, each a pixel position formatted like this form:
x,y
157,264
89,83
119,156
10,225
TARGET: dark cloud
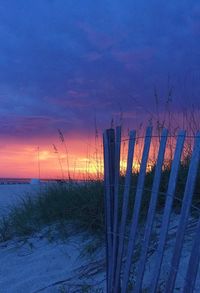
x,y
63,62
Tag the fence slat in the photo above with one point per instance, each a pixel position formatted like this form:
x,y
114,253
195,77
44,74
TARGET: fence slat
x,y
136,210
107,205
116,203
193,265
151,212
111,148
185,210
124,210
167,209
115,240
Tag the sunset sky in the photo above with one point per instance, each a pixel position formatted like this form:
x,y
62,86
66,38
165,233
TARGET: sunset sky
x,y
66,64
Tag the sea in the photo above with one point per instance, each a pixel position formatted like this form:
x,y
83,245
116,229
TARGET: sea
x,y
8,181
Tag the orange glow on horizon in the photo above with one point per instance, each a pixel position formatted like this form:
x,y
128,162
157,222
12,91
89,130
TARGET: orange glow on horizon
x,y
83,159
24,160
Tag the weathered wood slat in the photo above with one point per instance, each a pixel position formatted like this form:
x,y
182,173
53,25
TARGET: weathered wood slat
x,y
151,212
107,206
124,210
136,210
115,232
116,204
167,209
193,265
111,149
185,210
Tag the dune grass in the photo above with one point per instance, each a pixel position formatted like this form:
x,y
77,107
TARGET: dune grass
x,y
82,205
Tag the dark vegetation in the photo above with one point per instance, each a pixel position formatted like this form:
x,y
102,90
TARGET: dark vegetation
x,y
80,204
83,205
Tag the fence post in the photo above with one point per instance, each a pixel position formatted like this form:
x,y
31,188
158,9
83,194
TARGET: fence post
x,y
167,210
109,178
115,231
193,265
116,204
111,150
124,212
185,211
151,212
136,210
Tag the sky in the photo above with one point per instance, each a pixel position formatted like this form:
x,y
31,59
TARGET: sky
x,y
76,65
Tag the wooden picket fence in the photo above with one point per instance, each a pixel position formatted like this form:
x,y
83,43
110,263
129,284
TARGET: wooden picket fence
x,y
119,250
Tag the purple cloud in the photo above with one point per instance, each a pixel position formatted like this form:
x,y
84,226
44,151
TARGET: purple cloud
x,y
64,62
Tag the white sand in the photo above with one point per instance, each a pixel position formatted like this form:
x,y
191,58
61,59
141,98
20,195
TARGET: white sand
x,y
169,249
28,265
34,263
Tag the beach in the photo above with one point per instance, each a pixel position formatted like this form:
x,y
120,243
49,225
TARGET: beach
x,y
41,264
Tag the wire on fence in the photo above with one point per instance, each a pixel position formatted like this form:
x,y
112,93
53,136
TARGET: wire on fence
x,y
188,193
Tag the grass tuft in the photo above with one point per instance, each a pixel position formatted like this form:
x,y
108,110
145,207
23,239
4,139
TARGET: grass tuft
x,y
80,204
